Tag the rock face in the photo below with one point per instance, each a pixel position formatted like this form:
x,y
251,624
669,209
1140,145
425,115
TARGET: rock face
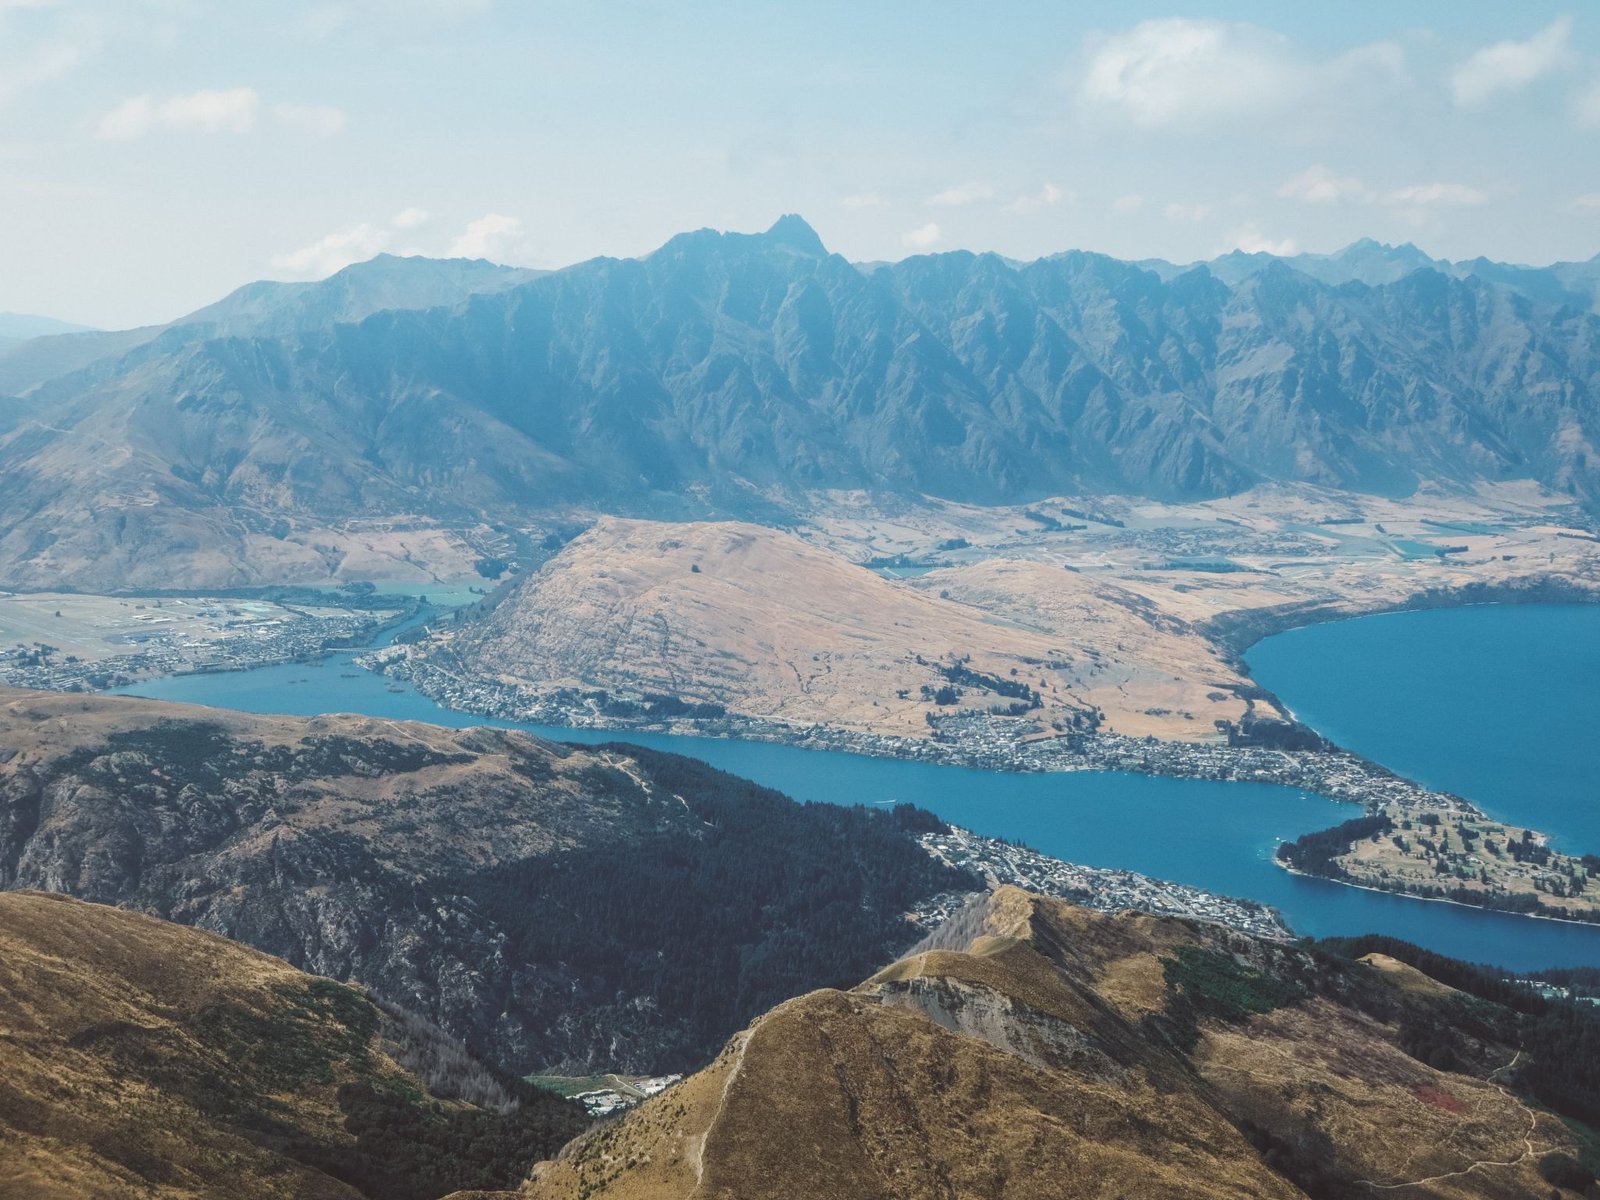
x,y
1031,1049
483,878
733,374
146,1059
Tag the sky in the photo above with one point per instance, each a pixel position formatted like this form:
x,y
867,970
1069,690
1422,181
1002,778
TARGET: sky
x,y
155,154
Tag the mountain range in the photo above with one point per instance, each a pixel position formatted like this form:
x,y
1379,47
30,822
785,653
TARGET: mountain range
x,y
739,375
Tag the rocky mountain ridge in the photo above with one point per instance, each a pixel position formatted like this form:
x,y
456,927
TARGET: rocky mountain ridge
x,y
737,375
147,1059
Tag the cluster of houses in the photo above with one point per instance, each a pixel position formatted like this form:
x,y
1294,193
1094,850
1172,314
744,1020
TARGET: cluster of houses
x,y
1099,888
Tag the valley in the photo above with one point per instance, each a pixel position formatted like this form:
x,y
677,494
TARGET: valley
x,y
83,643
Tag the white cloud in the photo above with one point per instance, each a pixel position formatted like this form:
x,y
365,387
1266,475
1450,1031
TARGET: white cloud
x,y
863,200
1174,72
1171,70
1511,66
318,120
1432,194
924,237
493,236
1192,213
410,218
962,194
1587,200
1251,240
1319,185
1046,197
359,242
335,251
44,65
1132,202
26,66
208,111
133,118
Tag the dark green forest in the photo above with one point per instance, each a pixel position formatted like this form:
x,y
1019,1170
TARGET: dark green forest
x,y
768,899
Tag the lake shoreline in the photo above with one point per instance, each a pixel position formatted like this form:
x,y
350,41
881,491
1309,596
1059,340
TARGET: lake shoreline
x,y
1367,887
1337,774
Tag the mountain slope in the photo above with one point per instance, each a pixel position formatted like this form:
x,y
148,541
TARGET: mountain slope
x,y
730,374
145,1059
603,908
1036,1050
748,620
263,309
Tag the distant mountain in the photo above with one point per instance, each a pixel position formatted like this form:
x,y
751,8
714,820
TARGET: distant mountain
x,y
19,326
16,328
1365,261
146,1059
734,374
1030,1049
1574,284
265,309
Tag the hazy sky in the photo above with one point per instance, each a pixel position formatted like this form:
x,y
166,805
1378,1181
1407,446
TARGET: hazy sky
x,y
155,154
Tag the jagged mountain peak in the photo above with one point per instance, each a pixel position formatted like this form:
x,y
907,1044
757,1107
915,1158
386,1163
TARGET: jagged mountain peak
x,y
732,374
793,231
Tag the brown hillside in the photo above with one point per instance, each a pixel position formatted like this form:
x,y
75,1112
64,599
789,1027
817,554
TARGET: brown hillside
x,y
1038,1050
144,1059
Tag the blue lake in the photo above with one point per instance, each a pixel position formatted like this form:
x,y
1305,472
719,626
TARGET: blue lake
x,y
1497,703
1215,835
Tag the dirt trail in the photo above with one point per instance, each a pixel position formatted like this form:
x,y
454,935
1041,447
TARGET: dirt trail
x,y
695,1151
1527,1141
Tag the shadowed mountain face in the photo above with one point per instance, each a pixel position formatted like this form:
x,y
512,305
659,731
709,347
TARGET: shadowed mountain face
x,y
730,374
606,908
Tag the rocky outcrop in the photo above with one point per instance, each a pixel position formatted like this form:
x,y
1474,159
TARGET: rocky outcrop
x,y
1031,1049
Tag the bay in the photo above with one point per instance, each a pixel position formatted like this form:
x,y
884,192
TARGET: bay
x,y
1497,703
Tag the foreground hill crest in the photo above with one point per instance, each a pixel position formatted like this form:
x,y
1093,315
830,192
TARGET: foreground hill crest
x,y
1031,1049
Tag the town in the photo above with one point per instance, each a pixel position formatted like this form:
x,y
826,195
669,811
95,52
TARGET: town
x,y
1099,888
77,643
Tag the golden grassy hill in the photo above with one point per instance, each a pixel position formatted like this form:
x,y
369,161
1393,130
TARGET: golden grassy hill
x,y
1147,669
1036,1050
145,1059
755,620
